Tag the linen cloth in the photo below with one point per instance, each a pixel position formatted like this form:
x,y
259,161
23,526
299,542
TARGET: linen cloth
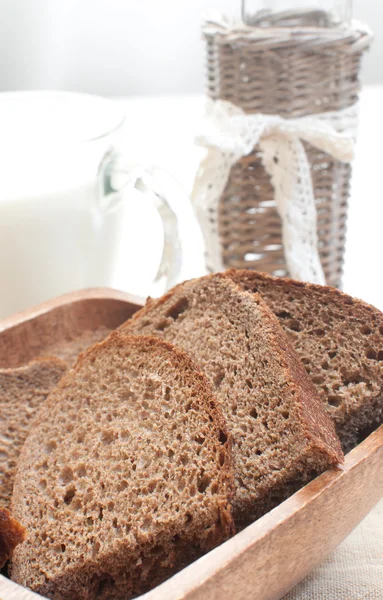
x,y
354,571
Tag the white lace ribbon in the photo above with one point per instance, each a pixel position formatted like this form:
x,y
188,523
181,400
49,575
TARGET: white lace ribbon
x,y
230,134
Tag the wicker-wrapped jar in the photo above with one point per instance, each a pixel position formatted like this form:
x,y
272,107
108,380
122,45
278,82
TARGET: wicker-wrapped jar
x,y
291,73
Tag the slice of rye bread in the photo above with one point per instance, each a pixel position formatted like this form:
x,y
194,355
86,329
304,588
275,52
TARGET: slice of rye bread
x,y
69,350
11,534
281,433
126,476
339,340
22,391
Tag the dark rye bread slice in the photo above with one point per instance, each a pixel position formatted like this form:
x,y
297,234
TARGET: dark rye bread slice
x,y
69,350
126,476
22,391
281,434
11,534
339,340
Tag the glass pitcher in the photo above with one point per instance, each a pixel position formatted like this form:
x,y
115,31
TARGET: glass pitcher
x,y
62,191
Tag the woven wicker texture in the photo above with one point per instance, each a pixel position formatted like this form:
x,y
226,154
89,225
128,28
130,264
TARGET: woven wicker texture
x,y
292,73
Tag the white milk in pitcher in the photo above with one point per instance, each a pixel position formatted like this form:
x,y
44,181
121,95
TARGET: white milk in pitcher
x,y
54,243
55,234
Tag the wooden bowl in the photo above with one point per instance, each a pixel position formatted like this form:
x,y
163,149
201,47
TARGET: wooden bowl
x,y
265,560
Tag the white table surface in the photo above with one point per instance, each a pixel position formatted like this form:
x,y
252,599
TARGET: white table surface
x,y
160,131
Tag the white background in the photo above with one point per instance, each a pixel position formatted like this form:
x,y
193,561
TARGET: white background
x,y
124,47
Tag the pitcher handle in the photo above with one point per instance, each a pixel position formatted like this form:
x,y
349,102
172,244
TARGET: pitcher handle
x,y
118,177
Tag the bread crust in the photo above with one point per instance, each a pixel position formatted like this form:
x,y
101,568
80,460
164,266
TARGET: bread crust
x,y
12,533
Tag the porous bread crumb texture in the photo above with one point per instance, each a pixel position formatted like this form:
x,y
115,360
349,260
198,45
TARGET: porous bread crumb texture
x,y
24,389
340,342
22,392
69,350
125,478
281,435
11,534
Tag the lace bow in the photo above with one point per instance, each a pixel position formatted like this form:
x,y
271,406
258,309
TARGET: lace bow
x,y
230,133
